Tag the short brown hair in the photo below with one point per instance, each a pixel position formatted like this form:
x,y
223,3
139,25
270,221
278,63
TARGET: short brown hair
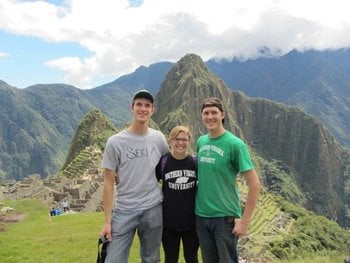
x,y
213,102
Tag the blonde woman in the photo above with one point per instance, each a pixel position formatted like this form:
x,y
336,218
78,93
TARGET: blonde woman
x,y
178,172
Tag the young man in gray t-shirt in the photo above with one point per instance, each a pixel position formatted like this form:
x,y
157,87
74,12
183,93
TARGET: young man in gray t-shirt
x,y
132,156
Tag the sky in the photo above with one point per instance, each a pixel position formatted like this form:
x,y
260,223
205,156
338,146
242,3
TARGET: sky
x,y
88,43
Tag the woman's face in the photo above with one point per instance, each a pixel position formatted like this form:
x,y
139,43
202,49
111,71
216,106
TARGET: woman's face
x,y
180,143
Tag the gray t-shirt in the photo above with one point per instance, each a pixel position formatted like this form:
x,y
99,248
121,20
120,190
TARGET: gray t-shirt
x,y
134,158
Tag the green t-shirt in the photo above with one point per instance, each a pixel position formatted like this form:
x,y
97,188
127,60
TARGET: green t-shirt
x,y
220,160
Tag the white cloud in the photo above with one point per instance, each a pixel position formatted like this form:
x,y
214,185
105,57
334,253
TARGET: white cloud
x,y
121,37
3,54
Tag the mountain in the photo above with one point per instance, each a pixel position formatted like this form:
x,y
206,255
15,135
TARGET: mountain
x,y
181,94
93,131
38,123
307,152
113,101
144,78
317,82
30,141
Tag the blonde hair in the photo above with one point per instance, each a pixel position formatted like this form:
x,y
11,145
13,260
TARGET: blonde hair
x,y
176,130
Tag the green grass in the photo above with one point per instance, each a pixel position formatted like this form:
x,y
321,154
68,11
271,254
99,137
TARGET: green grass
x,y
40,238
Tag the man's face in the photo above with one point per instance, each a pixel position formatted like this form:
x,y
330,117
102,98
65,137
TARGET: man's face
x,y
142,109
212,118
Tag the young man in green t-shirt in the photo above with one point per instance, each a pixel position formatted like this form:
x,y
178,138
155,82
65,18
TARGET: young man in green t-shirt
x,y
221,157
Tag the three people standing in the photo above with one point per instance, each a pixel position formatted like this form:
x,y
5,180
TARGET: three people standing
x,y
133,154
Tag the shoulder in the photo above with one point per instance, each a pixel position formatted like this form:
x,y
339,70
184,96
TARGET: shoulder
x,y
233,138
202,138
157,136
155,132
118,136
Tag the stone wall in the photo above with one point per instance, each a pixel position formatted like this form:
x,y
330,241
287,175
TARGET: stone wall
x,y
82,194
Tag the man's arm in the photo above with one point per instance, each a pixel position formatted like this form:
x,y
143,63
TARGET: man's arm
x,y
253,182
108,188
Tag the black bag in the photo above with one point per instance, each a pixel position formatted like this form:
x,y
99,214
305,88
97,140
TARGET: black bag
x,y
102,250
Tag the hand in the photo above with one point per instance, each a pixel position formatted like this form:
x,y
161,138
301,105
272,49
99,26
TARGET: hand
x,y
241,227
107,231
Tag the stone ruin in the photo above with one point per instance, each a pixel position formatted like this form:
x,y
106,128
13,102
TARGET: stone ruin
x,y
83,194
81,184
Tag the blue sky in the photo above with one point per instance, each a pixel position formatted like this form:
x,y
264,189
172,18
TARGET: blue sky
x,y
26,64
87,43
